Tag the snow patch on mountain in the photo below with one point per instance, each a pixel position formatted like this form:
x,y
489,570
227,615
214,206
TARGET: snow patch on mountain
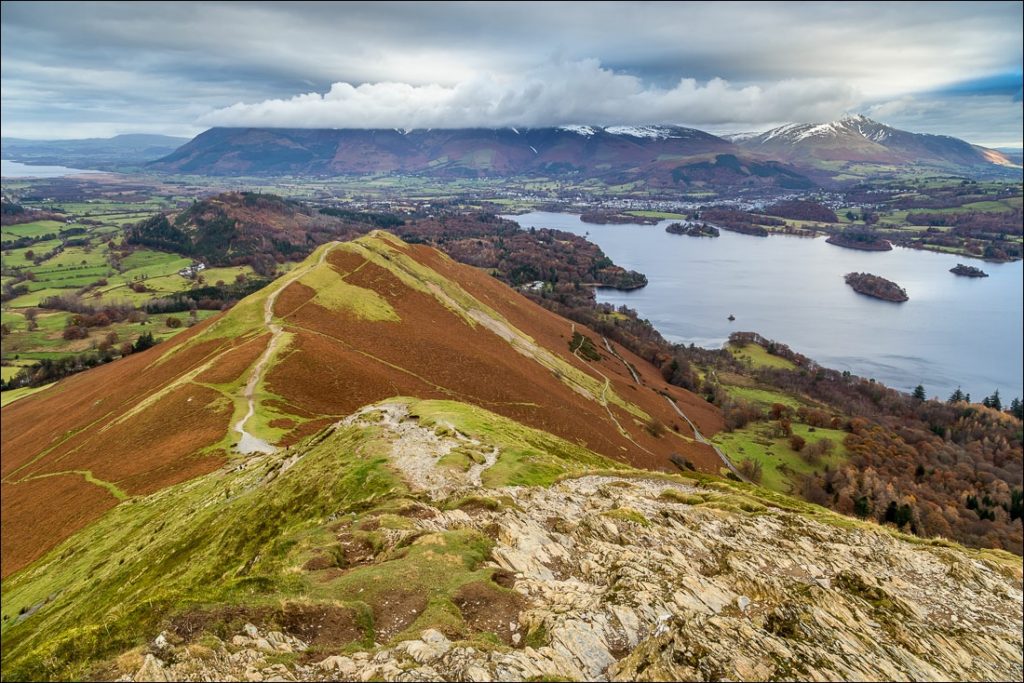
x,y
821,130
585,131
650,132
739,137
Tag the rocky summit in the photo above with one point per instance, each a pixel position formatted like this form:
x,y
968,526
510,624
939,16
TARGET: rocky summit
x,y
640,578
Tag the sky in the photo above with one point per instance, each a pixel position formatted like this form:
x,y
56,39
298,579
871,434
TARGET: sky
x,y
84,69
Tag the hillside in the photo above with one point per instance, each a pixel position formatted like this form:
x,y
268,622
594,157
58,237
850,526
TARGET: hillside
x,y
669,156
384,319
395,466
372,551
235,228
857,146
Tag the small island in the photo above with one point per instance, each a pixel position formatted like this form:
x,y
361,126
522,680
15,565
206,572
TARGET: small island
x,y
968,271
864,240
877,287
693,229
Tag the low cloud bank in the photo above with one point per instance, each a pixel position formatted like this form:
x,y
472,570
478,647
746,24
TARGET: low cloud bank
x,y
557,94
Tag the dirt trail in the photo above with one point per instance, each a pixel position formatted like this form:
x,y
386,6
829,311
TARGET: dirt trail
x,y
700,437
416,450
247,443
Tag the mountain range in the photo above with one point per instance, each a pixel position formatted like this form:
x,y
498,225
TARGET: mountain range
x,y
794,156
99,153
661,156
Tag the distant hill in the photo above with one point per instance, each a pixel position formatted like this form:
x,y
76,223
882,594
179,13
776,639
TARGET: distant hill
x,y
241,227
664,156
91,153
859,146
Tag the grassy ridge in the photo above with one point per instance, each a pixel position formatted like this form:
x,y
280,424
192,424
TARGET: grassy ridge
x,y
235,537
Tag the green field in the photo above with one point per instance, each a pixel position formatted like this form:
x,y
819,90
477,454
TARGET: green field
x,y
762,397
781,466
758,357
94,272
9,397
33,229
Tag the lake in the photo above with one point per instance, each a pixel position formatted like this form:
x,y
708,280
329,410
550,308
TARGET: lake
x,y
954,331
16,169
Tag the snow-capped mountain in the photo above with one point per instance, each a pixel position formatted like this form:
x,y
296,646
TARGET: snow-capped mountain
x,y
857,139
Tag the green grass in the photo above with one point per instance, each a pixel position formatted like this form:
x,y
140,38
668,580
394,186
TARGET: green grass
x,y
77,256
48,339
657,214
33,229
781,466
762,397
149,262
526,456
334,294
9,397
15,258
628,515
759,357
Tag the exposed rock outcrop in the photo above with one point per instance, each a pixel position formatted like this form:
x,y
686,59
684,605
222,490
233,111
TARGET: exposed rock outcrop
x,y
647,578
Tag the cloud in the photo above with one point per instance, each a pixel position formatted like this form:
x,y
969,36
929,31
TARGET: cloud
x,y
556,94
988,119
119,64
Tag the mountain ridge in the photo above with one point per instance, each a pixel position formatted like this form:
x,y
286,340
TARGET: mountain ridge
x,y
388,319
859,139
669,156
661,155
130,149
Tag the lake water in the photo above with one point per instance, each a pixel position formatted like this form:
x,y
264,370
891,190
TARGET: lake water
x,y
16,169
953,331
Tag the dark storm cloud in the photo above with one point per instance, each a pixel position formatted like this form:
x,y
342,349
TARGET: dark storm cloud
x,y
81,68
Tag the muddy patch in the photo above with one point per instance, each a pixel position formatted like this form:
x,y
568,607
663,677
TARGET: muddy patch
x,y
321,625
485,607
394,611
222,622
319,563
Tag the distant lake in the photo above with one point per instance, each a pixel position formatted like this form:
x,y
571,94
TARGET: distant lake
x,y
16,169
953,331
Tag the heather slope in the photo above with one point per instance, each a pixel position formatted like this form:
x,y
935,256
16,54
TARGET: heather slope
x,y
355,323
